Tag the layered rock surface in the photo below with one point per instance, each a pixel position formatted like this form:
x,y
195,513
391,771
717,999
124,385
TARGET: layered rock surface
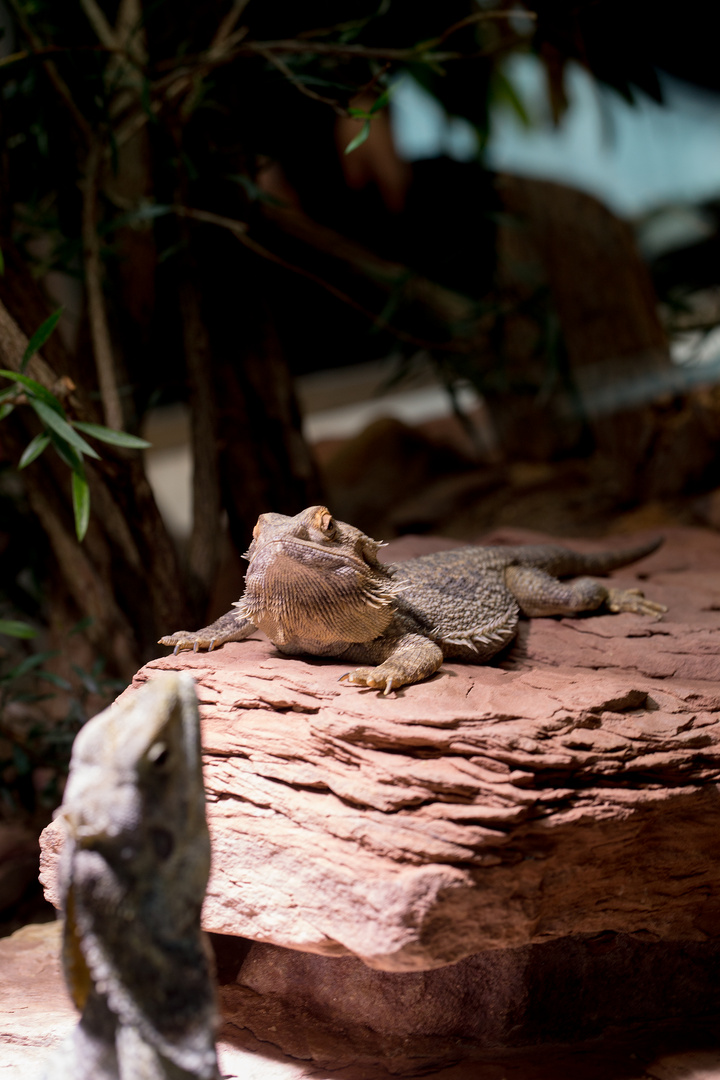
x,y
568,788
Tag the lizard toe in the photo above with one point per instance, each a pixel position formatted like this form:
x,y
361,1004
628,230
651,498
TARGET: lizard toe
x,y
372,678
183,639
633,600
358,677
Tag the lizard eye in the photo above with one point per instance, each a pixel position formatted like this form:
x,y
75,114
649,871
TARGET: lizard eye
x,y
158,754
328,526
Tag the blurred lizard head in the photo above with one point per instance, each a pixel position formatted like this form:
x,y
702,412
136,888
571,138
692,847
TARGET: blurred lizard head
x,y
312,577
135,789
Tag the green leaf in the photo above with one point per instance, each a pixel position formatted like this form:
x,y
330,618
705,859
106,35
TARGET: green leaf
x,y
81,504
114,438
16,628
34,449
5,409
380,102
504,92
21,761
26,665
253,191
40,336
359,138
31,699
60,425
56,680
145,212
69,455
35,389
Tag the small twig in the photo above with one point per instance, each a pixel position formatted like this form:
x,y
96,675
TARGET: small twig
x,y
320,48
49,50
99,330
52,73
370,52
234,226
484,16
100,24
179,82
228,24
286,71
366,87
187,66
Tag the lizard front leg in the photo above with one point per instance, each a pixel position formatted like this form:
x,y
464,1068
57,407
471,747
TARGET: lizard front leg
x,y
405,659
539,593
229,627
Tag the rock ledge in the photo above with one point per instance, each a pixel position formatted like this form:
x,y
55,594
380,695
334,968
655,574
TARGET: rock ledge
x,y
569,788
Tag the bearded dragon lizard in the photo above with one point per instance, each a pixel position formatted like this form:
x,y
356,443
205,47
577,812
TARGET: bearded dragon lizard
x,y
133,873
315,585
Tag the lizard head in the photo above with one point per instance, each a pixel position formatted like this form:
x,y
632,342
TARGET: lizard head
x,y
314,578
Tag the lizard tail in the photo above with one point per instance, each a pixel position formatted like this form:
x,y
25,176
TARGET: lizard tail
x,y
602,562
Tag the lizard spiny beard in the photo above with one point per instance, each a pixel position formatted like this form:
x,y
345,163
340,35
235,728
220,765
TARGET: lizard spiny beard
x,y
300,594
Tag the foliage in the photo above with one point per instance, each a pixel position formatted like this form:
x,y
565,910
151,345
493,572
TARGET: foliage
x,y
57,429
28,739
180,76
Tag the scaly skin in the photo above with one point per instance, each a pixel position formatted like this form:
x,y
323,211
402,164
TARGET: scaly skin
x,y
314,585
133,872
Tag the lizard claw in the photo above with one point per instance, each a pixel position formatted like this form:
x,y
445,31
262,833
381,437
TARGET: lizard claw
x,y
372,678
183,639
633,600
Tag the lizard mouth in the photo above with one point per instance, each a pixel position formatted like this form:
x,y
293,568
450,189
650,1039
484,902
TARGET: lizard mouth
x,y
296,547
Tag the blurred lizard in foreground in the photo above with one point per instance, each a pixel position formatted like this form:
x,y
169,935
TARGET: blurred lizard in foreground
x,y
133,873
315,585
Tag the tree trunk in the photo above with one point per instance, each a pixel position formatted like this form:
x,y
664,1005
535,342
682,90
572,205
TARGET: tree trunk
x,y
125,576
264,462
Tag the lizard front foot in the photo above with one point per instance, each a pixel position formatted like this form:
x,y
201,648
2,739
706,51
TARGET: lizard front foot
x,y
375,678
632,600
229,627
186,639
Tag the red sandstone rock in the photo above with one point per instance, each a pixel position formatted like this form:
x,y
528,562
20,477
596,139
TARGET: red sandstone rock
x,y
315,1007
568,788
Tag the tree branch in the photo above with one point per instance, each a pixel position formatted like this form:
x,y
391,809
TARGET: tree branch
x,y
449,306
100,24
99,331
282,67
205,536
485,16
12,347
52,72
228,24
